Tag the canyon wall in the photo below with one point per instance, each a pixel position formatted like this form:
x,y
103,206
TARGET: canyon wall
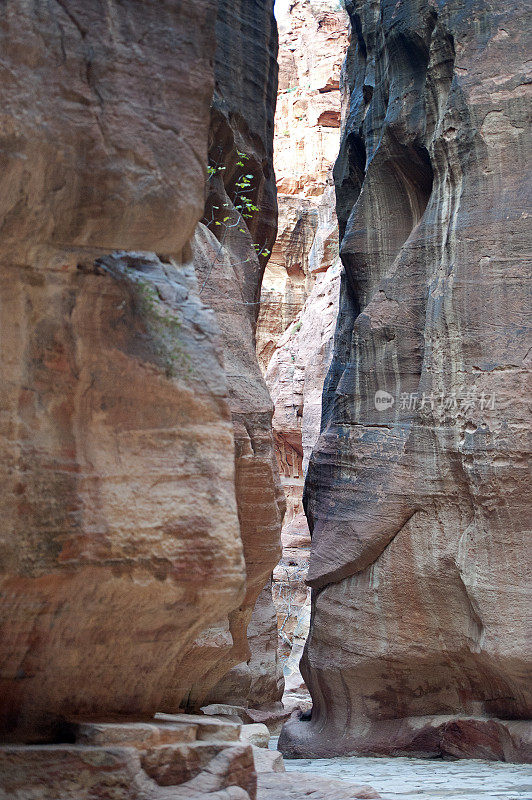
x,y
141,510
416,492
231,249
300,288
313,41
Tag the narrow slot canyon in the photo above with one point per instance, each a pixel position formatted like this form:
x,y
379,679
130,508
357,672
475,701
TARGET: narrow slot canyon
x,y
265,368
300,290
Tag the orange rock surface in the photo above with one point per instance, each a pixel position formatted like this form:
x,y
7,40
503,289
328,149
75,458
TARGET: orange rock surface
x,y
134,544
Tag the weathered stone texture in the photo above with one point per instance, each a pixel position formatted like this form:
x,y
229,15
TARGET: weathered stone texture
x,y
295,376
182,756
301,281
295,785
128,528
230,253
419,516
313,41
96,150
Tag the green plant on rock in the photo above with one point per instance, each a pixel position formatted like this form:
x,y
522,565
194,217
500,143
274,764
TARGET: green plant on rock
x,y
234,214
262,251
242,202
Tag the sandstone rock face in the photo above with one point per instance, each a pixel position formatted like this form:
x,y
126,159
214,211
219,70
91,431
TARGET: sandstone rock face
x,y
230,252
128,528
296,325
97,152
418,509
295,374
301,283
313,42
313,39
183,756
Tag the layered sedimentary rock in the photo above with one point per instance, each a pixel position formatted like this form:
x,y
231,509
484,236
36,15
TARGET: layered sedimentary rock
x,y
126,522
231,249
301,282
416,496
185,756
313,41
295,376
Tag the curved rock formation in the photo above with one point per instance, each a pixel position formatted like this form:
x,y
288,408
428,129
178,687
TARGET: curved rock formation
x,y
231,249
416,491
131,552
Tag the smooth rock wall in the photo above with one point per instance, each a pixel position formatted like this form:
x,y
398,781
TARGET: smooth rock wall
x,y
419,515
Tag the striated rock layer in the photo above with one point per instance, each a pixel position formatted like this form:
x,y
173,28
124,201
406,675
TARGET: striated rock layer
x,y
132,549
183,757
301,282
416,498
231,248
295,376
313,39
312,44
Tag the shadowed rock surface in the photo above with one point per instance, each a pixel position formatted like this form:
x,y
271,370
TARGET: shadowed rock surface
x,y
231,248
419,509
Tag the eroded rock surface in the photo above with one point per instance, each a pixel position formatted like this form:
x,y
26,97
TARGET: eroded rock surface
x,y
119,516
419,509
293,786
182,756
313,42
295,376
134,545
231,249
301,283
